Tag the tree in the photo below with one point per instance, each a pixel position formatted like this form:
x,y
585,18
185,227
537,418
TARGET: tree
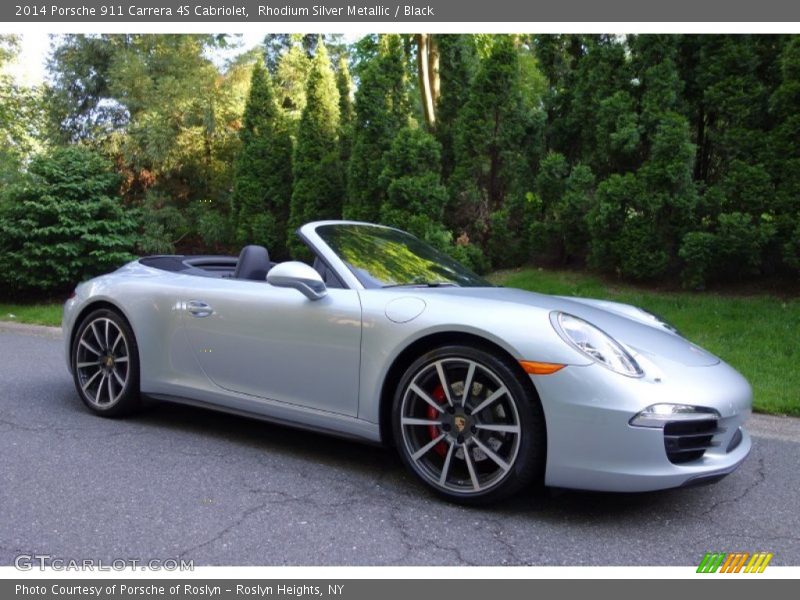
x,y
428,75
318,187
640,218
291,76
63,222
263,179
415,196
784,163
458,62
166,116
382,109
344,85
490,167
21,116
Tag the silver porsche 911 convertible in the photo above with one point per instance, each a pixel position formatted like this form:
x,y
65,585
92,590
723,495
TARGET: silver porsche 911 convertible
x,y
483,390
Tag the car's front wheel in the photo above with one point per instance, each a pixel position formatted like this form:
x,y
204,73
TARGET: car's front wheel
x,y
105,364
468,426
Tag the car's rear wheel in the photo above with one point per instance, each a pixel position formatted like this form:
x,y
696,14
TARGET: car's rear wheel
x,y
105,364
468,426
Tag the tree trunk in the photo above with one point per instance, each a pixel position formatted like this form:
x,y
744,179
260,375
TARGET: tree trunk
x,y
423,72
433,70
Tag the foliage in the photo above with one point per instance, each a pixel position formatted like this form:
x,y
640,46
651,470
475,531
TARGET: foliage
x,y
263,179
489,154
415,196
318,185
457,64
21,116
382,110
63,222
649,157
344,85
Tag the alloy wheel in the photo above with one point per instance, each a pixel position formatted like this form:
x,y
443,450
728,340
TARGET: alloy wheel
x,y
460,425
102,362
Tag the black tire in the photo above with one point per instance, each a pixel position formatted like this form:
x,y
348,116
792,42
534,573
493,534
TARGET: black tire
x,y
109,388
521,460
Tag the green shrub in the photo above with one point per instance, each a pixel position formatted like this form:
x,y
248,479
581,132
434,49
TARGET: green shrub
x,y
791,249
415,196
162,224
605,221
63,223
740,241
698,254
639,249
734,250
470,255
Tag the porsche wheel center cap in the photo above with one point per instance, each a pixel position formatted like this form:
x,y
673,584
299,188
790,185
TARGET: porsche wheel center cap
x,y
458,426
108,361
460,422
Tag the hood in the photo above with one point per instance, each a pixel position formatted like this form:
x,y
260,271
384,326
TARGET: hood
x,y
625,323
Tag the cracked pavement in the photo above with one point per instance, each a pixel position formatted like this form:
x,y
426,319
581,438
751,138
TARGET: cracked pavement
x,y
183,482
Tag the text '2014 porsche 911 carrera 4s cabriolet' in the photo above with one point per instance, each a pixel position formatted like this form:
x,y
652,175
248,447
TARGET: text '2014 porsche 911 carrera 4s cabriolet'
x,y
483,390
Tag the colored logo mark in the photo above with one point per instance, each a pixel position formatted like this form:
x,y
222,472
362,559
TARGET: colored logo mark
x,y
734,562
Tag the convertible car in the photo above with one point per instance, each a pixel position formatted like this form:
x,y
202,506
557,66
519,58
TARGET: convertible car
x,y
482,389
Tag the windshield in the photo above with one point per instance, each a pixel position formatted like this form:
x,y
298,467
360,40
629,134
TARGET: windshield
x,y
383,257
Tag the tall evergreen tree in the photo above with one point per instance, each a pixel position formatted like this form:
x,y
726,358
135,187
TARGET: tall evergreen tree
x,y
785,161
490,169
291,76
263,179
382,109
318,187
640,218
344,84
415,196
458,62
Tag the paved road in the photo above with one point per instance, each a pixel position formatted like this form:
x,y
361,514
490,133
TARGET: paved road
x,y
183,482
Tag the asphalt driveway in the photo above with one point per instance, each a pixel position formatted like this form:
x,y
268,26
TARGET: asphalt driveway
x,y
184,482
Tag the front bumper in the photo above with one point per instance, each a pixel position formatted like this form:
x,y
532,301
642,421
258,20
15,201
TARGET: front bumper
x,y
592,446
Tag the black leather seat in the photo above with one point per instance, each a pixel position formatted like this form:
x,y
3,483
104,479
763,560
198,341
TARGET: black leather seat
x,y
253,264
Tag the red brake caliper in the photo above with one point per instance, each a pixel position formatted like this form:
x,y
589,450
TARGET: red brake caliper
x,y
433,430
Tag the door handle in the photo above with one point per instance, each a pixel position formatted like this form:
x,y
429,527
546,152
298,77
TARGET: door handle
x,y
198,308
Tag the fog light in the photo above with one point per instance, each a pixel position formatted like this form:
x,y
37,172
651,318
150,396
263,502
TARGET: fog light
x,y
658,415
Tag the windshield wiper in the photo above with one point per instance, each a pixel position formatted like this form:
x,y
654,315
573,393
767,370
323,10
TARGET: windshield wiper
x,y
430,284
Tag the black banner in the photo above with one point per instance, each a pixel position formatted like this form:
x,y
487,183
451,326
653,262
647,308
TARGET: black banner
x,y
370,589
407,11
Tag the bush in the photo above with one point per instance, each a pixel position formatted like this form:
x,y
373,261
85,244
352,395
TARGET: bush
x,y
63,223
791,249
162,224
734,250
640,253
740,242
697,252
415,196
470,255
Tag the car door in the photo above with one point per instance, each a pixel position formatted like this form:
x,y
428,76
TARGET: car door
x,y
269,342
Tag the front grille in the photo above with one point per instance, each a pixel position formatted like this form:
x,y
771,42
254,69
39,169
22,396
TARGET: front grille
x,y
685,441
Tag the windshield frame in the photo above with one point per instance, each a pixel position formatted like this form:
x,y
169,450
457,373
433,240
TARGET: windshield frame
x,y
309,234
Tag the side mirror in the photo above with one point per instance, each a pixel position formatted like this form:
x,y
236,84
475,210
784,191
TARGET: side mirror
x,y
300,276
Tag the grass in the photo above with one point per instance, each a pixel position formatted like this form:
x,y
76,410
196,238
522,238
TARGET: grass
x,y
758,334
37,314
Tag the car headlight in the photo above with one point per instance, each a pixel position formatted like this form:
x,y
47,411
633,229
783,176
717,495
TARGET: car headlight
x,y
595,344
660,321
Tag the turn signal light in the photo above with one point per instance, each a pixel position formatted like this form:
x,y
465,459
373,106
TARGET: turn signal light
x,y
540,368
